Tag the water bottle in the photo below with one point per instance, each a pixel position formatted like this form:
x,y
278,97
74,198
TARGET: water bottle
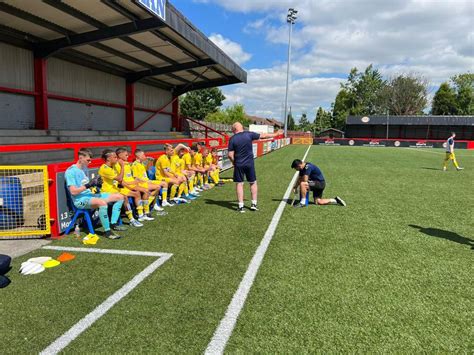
x,y
77,231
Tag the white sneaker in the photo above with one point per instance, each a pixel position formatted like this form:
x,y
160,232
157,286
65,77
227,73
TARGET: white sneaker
x,y
145,218
158,208
183,200
135,223
166,204
459,168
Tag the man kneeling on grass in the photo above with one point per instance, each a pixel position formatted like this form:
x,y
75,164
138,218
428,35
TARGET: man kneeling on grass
x,y
311,179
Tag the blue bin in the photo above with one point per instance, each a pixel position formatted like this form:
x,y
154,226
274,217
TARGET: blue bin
x,y
11,203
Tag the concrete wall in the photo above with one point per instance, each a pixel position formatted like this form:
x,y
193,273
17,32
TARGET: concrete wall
x,y
17,111
159,123
79,116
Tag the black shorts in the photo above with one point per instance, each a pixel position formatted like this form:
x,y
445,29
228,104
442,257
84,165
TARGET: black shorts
x,y
244,171
317,187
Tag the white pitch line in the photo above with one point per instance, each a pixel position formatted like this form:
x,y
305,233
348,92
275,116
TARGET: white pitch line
x,y
64,340
437,152
226,326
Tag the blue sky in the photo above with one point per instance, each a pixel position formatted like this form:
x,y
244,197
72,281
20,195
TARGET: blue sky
x,y
430,38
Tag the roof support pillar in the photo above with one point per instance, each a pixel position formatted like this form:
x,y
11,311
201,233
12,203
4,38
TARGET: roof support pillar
x,y
175,121
130,110
41,97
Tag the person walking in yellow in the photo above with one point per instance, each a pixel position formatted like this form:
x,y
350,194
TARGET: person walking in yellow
x,y
111,180
163,173
450,153
139,171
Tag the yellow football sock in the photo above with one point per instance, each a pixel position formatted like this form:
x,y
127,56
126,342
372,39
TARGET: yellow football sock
x,y
191,184
140,209
129,214
215,176
181,189
164,194
173,191
146,207
201,180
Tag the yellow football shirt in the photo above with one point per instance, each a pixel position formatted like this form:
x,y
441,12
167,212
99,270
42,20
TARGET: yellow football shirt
x,y
208,160
176,164
197,159
108,175
139,171
188,160
127,171
163,165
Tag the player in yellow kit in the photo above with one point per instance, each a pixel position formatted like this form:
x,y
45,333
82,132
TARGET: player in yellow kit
x,y
214,169
206,164
198,167
177,165
163,173
450,153
189,171
111,179
131,186
139,171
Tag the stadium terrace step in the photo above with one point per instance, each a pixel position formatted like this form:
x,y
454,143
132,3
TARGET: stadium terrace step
x,y
54,136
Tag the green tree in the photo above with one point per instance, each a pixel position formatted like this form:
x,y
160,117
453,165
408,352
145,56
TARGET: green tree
x,y
304,124
404,94
464,87
363,91
291,122
230,115
341,109
199,103
444,101
322,121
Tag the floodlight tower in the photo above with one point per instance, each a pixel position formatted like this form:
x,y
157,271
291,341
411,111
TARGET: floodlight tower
x,y
291,19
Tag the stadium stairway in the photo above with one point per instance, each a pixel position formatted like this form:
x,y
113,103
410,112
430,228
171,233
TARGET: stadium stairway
x,y
25,137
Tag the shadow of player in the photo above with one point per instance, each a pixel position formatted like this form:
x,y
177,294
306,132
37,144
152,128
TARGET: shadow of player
x,y
440,233
227,204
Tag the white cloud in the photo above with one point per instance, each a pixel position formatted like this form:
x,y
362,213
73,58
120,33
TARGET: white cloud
x,y
232,49
431,38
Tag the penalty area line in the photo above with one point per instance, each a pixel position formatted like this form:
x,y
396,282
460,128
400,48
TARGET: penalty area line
x,y
227,324
77,329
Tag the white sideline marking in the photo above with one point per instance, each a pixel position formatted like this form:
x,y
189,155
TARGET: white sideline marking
x,y
438,152
77,329
226,326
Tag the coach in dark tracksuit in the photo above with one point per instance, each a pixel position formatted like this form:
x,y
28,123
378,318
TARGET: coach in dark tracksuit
x,y
241,155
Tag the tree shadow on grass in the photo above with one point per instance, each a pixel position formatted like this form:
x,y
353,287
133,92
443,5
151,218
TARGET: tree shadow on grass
x,y
441,233
227,204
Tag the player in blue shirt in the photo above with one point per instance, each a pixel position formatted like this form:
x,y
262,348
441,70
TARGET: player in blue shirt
x,y
241,155
450,153
79,185
311,178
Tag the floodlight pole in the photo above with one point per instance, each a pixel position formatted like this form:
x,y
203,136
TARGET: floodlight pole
x,y
387,124
291,18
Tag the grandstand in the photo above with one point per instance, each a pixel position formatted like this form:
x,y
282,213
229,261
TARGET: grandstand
x,y
410,127
99,74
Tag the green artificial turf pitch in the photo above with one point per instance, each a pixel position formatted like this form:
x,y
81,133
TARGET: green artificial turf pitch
x,y
391,272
